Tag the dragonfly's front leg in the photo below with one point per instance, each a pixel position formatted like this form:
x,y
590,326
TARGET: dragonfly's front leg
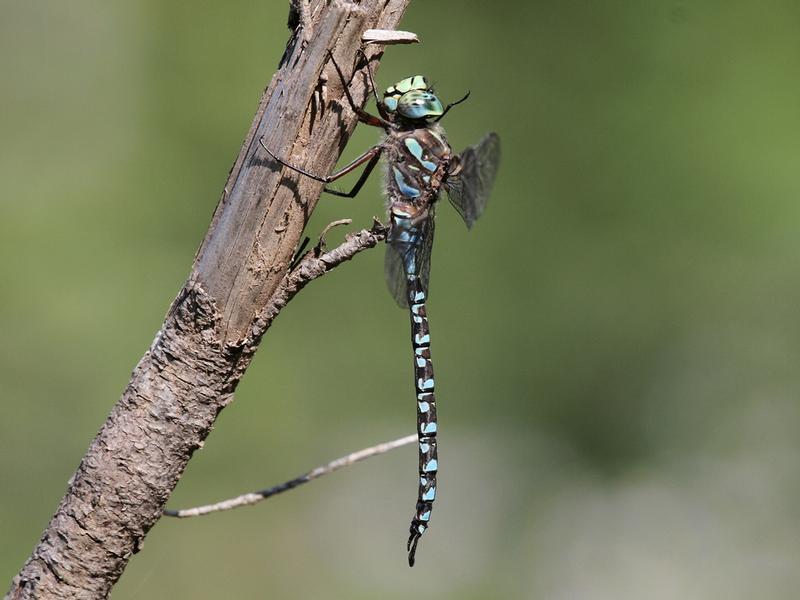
x,y
363,115
371,156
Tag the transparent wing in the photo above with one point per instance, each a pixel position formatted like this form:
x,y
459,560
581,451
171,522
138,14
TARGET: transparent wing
x,y
471,177
395,272
395,262
424,251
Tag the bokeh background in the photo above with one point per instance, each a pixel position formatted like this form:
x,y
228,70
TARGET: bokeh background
x,y
616,342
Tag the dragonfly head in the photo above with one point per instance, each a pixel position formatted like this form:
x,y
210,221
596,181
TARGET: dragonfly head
x,y
413,99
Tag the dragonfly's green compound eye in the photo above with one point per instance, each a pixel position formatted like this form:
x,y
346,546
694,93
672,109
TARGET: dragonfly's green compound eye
x,y
419,105
413,99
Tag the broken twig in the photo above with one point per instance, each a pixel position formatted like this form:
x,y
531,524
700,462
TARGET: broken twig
x,y
388,37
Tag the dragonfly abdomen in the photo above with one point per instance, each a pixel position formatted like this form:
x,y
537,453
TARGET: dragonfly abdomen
x,y
426,414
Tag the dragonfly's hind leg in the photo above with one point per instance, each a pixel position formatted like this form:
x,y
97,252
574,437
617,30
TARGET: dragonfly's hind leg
x,y
371,156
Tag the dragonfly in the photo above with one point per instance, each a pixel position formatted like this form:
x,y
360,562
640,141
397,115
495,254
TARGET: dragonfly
x,y
421,164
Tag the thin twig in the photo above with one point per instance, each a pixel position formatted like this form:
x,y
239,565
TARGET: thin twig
x,y
255,497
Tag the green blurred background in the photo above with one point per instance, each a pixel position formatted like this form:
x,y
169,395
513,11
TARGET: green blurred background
x,y
616,342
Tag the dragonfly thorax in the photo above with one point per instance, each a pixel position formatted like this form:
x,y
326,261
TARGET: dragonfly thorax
x,y
414,156
413,99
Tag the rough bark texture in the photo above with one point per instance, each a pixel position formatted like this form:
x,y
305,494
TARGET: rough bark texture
x,y
238,284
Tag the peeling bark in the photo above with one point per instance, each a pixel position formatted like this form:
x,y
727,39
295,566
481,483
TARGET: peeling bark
x,y
238,284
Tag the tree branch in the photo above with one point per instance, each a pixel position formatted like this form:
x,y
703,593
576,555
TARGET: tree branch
x,y
237,286
256,497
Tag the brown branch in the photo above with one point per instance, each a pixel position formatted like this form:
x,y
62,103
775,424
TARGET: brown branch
x,y
237,286
256,497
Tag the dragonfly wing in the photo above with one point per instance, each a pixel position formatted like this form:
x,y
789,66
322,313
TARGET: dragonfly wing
x,y
395,272
471,177
423,258
397,264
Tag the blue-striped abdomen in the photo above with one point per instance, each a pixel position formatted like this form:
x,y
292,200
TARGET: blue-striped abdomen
x,y
427,425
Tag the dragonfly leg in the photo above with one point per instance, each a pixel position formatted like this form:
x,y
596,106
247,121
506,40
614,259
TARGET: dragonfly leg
x,y
371,155
363,115
378,103
362,179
